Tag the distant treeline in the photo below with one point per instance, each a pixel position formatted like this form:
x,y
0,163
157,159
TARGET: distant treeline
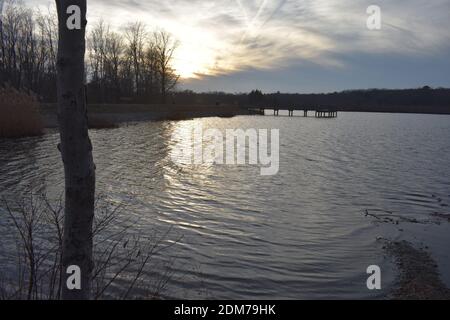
x,y
361,99
421,100
132,66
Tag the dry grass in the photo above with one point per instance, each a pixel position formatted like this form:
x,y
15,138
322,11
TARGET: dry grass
x,y
19,115
123,259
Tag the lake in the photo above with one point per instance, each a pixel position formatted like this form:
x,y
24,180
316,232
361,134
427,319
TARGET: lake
x,y
300,234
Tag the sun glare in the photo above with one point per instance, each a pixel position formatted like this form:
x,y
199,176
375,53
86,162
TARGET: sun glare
x,y
191,61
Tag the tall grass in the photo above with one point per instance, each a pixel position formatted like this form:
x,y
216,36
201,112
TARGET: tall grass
x,y
19,114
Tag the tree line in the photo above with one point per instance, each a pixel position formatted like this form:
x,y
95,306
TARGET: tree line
x,y
131,66
366,100
421,100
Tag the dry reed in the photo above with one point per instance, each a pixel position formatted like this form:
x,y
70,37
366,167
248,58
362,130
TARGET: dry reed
x,y
19,114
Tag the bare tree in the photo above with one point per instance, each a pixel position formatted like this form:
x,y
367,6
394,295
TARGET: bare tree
x,y
105,60
150,81
27,50
165,49
48,46
113,60
76,148
134,64
135,34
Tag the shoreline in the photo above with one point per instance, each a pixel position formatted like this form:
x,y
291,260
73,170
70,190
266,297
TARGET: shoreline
x,y
418,275
112,115
104,116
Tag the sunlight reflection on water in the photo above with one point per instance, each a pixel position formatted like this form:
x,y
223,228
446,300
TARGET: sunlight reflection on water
x,y
299,234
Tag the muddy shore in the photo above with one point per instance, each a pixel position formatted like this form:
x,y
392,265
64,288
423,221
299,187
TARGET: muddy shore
x,y
419,277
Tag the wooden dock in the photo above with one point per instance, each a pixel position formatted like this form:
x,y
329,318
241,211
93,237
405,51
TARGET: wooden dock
x,y
319,112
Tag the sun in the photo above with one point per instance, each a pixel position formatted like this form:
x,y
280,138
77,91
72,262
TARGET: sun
x,y
185,69
190,62
198,52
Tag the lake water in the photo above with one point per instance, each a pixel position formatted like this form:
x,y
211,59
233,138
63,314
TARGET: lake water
x,y
299,234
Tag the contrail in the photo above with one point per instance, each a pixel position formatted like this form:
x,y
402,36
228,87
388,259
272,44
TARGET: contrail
x,y
241,7
280,5
251,22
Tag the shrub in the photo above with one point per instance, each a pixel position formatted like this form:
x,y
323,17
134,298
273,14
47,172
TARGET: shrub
x,y
123,259
19,114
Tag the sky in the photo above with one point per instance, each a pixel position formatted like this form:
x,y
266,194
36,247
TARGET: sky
x,y
294,45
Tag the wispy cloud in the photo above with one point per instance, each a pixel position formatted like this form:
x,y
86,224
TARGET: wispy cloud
x,y
224,36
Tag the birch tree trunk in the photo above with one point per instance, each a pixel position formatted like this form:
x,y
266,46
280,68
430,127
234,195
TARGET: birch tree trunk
x,y
76,150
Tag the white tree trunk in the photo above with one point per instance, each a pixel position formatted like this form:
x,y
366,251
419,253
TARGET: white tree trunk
x,y
76,150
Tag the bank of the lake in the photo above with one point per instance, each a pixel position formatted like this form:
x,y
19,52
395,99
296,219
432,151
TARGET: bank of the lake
x,y
112,115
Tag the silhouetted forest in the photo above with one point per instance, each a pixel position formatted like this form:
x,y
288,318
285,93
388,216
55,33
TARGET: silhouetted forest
x,y
371,98
422,100
133,66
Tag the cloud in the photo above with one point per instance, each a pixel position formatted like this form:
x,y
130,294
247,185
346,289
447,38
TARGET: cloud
x,y
225,36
